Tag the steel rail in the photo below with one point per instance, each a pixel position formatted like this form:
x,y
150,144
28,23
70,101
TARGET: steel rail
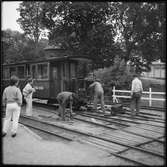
x,y
104,139
147,107
102,118
149,114
101,146
46,131
137,145
128,115
118,155
148,141
123,130
51,106
102,115
114,128
130,132
146,117
46,106
144,113
131,121
153,108
153,131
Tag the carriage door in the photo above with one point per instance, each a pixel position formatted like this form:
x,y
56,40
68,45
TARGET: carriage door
x,y
54,82
64,78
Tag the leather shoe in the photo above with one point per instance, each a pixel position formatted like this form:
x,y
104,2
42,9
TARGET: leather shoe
x,y
3,134
14,135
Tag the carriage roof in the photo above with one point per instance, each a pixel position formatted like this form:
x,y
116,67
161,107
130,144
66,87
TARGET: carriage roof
x,y
53,54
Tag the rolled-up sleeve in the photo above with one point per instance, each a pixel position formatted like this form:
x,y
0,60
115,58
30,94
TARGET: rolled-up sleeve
x,y
93,84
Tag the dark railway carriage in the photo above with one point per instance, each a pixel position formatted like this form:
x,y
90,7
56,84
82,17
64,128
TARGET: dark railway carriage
x,y
56,73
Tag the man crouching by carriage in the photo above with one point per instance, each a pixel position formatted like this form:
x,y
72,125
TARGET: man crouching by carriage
x,y
64,99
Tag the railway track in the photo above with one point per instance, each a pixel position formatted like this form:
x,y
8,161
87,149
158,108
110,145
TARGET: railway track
x,y
103,124
109,121
73,134
154,136
127,102
121,122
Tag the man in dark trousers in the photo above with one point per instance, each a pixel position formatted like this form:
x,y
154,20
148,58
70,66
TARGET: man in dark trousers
x,y
136,93
65,98
98,94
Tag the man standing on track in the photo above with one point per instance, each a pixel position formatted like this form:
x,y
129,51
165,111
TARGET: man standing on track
x,y
136,93
98,94
65,98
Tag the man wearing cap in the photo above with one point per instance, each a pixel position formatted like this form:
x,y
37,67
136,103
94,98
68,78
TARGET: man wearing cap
x,y
98,94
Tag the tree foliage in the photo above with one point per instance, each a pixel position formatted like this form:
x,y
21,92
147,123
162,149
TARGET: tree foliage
x,y
16,47
142,29
30,19
116,75
12,45
101,30
81,27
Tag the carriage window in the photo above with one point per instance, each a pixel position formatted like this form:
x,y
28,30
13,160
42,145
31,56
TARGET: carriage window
x,y
42,71
54,73
63,70
33,71
13,71
28,70
72,70
6,73
21,71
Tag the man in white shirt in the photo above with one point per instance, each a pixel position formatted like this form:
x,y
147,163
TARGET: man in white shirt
x,y
136,93
98,93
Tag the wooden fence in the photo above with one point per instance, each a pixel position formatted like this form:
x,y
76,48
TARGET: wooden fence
x,y
150,93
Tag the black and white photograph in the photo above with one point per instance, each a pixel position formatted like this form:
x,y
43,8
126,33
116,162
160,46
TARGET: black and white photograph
x,y
83,83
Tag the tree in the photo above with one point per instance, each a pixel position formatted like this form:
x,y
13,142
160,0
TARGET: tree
x,y
142,30
81,27
16,47
101,30
30,18
13,43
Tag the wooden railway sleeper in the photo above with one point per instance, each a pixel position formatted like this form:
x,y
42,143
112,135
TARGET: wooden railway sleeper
x,y
127,121
120,123
123,130
46,131
105,139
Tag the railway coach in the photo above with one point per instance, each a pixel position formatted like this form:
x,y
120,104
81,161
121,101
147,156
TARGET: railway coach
x,y
53,73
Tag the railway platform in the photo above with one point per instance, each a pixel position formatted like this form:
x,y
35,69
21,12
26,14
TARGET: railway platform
x,y
27,148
